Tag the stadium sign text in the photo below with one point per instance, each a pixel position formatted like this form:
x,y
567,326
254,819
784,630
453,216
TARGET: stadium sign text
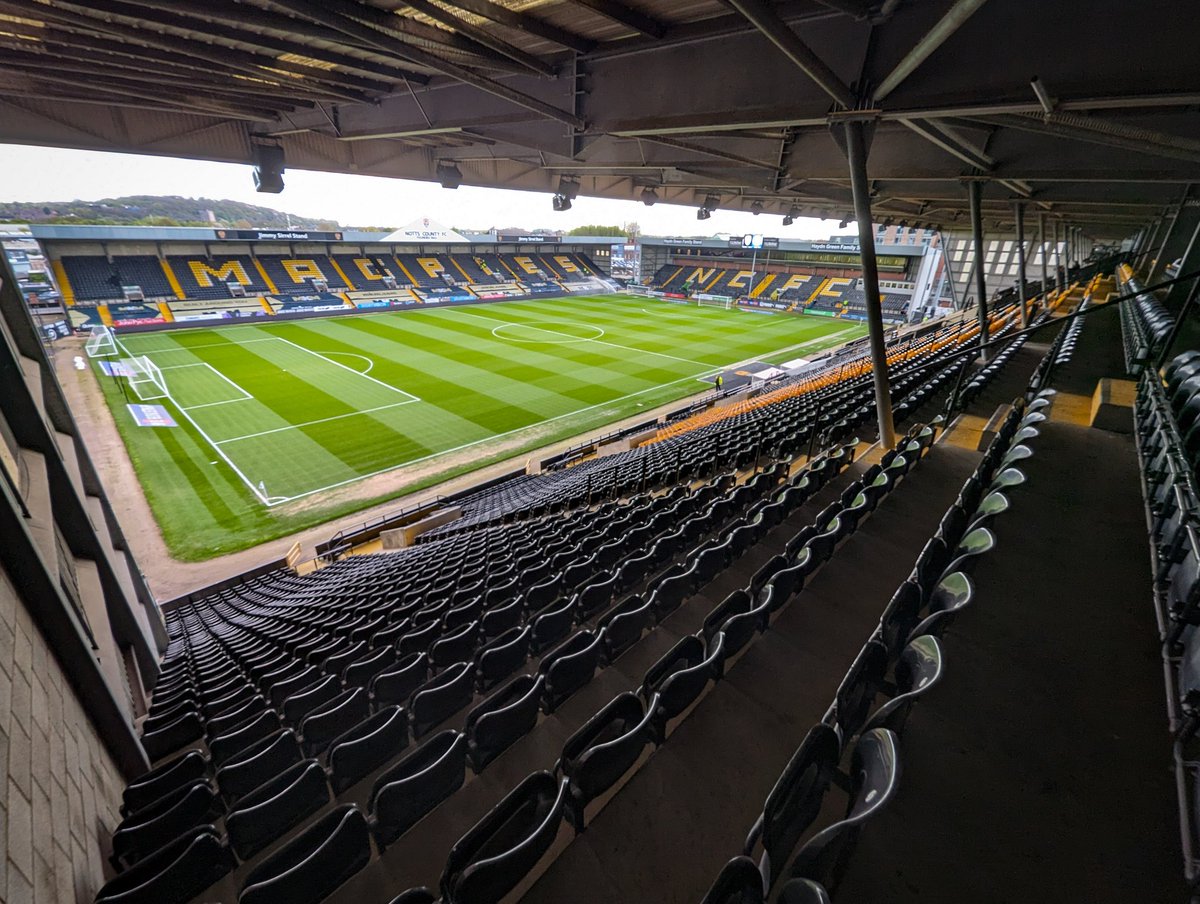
x,y
276,235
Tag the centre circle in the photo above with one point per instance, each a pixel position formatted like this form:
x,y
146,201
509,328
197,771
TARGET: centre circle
x,y
550,332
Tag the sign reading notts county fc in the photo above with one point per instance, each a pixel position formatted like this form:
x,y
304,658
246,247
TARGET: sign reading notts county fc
x,y
423,230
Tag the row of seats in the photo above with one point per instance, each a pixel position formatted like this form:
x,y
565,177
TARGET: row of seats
x,y
490,727
1168,443
96,278
1145,322
855,747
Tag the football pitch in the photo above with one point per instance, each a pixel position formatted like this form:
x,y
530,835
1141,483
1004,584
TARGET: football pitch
x,y
273,419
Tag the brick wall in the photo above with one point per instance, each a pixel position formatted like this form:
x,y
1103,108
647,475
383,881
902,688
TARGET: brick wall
x,y
59,799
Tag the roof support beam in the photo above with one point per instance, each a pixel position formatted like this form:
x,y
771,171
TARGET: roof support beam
x,y
939,139
764,17
934,38
712,152
202,59
1103,132
625,15
526,23
482,36
344,17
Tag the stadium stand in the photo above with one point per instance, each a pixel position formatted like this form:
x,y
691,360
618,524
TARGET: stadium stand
x,y
208,278
95,278
275,700
366,272
298,274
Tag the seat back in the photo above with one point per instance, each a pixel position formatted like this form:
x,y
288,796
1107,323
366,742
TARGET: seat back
x,y
416,784
314,863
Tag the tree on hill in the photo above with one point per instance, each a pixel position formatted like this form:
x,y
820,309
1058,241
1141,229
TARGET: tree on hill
x,y
597,230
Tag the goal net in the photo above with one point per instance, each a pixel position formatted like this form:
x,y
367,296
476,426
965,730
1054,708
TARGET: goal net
x,y
146,379
713,301
101,342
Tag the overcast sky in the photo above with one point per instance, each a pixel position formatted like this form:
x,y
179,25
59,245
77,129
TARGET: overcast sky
x,y
55,174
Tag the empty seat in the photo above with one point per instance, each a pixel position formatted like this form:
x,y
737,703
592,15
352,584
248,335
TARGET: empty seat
x,y
312,864
596,756
271,809
676,681
875,773
165,819
739,882
858,689
169,738
918,670
313,697
440,697
338,715
173,874
367,746
795,801
258,763
569,667
953,593
227,745
396,685
169,776
738,618
500,657
501,849
496,723
416,784
622,626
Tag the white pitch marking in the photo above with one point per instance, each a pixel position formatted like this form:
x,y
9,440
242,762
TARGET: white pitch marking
x,y
246,480
336,417
350,369
370,362
487,439
627,348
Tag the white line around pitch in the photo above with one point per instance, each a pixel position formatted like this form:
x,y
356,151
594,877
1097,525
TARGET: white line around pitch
x,y
259,494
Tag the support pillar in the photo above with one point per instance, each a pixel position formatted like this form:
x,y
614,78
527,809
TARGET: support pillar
x,y
1059,281
1045,249
856,154
974,194
1175,239
1020,211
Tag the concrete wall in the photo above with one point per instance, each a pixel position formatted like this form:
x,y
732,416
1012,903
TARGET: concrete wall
x,y
59,800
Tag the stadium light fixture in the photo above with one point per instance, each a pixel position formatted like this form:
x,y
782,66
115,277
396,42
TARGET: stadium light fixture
x,y
649,196
845,222
568,188
268,168
561,203
449,175
703,213
756,207
790,217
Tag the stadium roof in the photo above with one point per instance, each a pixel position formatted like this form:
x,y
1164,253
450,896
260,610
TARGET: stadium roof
x,y
733,100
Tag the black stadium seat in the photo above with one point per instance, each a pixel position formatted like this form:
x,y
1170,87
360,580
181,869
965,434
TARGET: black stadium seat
x,y
416,784
312,864
497,853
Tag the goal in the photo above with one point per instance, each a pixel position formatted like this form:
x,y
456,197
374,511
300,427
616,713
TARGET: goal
x,y
146,379
704,300
101,342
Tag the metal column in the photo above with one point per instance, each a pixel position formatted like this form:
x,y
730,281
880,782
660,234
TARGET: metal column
x,y
1163,256
1187,263
1058,273
1045,254
974,193
856,153
1020,211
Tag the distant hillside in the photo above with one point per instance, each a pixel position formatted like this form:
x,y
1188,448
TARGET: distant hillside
x,y
156,210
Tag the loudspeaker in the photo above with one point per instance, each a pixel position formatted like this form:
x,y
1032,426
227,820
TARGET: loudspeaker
x,y
268,169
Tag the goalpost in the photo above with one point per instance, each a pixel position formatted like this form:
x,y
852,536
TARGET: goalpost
x,y
101,342
146,379
704,300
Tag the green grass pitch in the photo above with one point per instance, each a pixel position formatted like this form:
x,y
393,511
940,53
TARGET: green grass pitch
x,y
273,417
